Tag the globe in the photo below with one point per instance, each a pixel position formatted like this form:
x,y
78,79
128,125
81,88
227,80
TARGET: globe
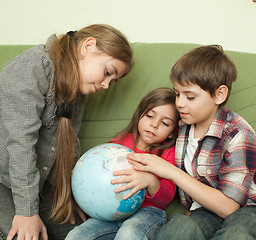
x,y
92,188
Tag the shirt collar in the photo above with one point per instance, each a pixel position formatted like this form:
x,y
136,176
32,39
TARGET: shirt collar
x,y
216,127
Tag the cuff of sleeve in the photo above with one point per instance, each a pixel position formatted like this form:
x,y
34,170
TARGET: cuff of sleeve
x,y
155,195
26,207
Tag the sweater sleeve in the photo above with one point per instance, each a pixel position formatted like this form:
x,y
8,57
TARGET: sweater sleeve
x,y
23,87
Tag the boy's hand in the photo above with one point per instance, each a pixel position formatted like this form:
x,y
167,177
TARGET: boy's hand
x,y
27,228
151,163
135,181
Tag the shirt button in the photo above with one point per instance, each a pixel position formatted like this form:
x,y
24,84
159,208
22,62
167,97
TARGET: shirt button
x,y
45,169
209,171
53,149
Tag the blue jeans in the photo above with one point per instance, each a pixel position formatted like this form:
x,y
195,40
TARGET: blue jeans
x,y
143,224
203,224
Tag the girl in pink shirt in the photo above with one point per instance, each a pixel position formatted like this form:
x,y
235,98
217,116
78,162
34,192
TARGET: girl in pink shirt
x,y
153,129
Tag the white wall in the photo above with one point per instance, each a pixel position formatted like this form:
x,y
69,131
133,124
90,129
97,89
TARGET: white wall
x,y
231,23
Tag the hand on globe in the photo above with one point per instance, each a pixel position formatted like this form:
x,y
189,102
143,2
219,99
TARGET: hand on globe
x,y
135,181
92,188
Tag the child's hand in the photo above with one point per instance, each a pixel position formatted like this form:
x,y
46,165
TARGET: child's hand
x,y
151,163
27,228
79,211
135,181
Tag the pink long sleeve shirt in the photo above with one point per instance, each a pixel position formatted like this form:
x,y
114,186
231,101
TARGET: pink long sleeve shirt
x,y
167,189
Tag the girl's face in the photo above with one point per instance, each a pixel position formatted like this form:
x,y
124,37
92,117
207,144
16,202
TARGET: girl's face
x,y
97,70
156,125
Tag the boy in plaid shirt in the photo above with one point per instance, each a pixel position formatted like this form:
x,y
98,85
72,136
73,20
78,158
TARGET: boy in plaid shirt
x,y
215,153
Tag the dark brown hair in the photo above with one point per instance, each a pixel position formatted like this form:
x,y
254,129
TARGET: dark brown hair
x,y
63,53
207,66
155,98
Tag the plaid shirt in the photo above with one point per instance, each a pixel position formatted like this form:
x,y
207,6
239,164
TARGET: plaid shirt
x,y
225,158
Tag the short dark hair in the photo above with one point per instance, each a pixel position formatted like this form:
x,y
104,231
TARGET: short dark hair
x,y
207,66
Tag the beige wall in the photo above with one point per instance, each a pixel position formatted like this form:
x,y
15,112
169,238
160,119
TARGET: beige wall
x,y
231,23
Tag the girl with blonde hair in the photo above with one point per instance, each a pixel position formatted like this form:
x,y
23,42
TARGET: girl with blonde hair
x,y
42,95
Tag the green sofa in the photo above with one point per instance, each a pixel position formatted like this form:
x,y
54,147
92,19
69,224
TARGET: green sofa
x,y
108,112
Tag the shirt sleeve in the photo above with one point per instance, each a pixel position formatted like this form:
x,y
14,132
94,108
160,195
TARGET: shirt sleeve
x,y
167,189
23,86
237,171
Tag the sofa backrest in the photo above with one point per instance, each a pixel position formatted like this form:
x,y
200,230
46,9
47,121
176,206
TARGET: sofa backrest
x,y
108,112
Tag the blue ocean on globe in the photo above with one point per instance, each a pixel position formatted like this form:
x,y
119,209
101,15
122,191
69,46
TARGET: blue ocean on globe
x,y
91,185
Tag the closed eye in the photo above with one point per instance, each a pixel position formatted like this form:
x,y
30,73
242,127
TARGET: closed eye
x,y
107,73
148,115
190,98
165,124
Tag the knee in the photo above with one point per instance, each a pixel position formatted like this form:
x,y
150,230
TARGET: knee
x,y
78,232
180,226
72,234
239,225
173,227
179,221
234,233
130,229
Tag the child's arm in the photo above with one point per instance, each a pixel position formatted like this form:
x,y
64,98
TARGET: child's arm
x,y
23,106
208,197
27,228
161,192
136,180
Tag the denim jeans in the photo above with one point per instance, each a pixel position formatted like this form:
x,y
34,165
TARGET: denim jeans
x,y
143,224
55,230
203,224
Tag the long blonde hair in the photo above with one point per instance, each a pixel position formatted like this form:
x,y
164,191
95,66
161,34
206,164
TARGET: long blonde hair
x,y
64,56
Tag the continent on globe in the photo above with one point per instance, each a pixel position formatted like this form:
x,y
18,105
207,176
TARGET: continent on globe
x,y
92,188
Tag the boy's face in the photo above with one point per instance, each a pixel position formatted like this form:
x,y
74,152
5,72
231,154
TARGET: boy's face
x,y
195,105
